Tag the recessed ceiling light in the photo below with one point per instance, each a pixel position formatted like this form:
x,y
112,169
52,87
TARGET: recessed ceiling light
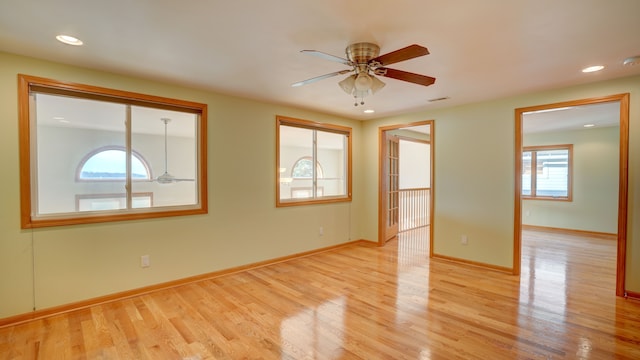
x,y
369,111
589,125
70,40
593,68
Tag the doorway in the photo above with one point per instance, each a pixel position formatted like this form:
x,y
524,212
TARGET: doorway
x,y
550,164
400,202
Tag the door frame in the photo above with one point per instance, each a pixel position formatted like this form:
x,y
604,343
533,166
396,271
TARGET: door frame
x,y
381,190
623,181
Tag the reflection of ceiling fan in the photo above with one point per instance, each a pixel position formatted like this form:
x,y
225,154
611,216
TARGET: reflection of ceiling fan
x,y
366,62
167,178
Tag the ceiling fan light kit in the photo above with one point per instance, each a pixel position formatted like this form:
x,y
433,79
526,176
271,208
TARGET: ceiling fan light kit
x,y
363,82
365,62
348,84
376,84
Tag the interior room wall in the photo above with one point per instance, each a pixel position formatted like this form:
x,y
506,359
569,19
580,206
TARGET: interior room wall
x,y
414,169
47,267
474,194
474,173
594,206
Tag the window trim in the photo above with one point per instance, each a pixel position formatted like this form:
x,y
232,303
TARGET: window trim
x,y
311,125
536,148
28,83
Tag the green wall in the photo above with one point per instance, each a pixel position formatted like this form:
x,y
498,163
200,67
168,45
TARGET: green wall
x,y
42,268
474,148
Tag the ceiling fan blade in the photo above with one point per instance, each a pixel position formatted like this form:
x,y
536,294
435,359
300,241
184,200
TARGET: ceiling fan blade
x,y
329,57
167,178
409,52
314,79
406,76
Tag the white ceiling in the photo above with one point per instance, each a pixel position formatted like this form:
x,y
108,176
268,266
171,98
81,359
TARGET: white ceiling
x,y
480,50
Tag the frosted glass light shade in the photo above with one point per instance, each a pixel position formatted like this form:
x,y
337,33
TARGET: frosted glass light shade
x,y
376,84
348,84
363,82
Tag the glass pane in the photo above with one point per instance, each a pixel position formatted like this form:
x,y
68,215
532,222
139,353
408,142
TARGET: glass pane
x,y
111,201
111,165
67,130
526,173
332,158
168,141
303,169
552,177
295,144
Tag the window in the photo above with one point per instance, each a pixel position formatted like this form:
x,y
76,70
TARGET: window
x,y
300,144
77,159
110,163
303,169
546,172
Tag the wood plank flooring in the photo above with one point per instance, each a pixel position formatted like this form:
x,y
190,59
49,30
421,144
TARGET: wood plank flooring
x,y
364,302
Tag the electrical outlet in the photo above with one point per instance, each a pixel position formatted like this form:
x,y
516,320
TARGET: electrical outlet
x,y
527,213
145,261
464,240
321,231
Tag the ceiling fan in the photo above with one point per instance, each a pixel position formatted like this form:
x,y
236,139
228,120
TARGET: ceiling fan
x,y
365,62
167,178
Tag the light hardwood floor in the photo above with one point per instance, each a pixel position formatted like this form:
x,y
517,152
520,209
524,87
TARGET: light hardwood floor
x,y
364,302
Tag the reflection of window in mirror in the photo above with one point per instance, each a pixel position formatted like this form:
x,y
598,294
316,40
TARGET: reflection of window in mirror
x,y
93,150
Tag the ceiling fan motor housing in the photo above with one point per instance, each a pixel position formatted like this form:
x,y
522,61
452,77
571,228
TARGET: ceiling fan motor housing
x,y
361,53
